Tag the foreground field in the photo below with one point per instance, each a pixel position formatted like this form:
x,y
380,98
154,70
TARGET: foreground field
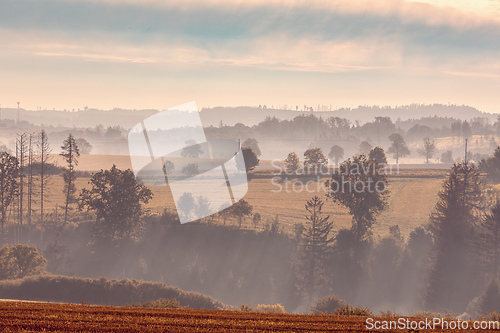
x,y
47,317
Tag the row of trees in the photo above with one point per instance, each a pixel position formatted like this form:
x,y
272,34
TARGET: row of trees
x,y
32,165
315,158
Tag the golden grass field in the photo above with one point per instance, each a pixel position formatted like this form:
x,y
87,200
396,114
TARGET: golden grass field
x,y
412,198
49,317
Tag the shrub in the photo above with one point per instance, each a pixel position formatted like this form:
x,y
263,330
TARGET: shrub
x,y
18,261
389,314
247,308
348,310
57,288
328,305
161,303
276,308
427,314
492,316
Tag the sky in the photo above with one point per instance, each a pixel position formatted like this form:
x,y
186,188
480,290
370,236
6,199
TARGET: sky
x,y
133,54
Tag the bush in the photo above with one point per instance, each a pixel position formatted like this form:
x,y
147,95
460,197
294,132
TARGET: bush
x,y
493,316
348,310
161,303
276,308
427,314
18,261
328,305
57,288
389,314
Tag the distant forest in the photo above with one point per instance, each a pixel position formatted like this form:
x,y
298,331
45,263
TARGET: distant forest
x,y
279,136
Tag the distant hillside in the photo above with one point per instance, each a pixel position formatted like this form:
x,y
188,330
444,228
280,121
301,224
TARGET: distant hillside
x,y
245,114
253,115
82,119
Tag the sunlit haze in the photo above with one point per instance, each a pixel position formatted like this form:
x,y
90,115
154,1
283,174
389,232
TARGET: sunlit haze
x,y
151,54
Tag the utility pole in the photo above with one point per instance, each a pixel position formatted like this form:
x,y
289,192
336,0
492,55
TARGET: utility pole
x,y
18,113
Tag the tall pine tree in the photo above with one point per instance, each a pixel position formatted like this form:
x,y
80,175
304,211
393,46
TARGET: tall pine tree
x,y
70,153
452,276
315,248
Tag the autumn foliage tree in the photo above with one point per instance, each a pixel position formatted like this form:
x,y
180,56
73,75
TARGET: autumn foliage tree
x,y
20,260
115,197
314,158
378,154
292,163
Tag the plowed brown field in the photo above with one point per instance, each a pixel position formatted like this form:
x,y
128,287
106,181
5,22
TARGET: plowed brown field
x,y
47,317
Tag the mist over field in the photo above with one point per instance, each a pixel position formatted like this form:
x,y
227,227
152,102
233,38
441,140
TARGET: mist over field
x,y
260,254
305,157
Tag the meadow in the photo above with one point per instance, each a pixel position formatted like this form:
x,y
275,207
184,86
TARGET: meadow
x,y
413,195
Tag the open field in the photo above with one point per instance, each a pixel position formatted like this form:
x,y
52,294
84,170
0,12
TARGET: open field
x,y
48,317
412,198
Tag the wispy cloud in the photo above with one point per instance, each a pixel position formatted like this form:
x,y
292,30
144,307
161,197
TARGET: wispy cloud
x,y
457,39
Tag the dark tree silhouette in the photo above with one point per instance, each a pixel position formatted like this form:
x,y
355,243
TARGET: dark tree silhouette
x,y
240,210
398,147
314,158
84,146
361,186
256,220
336,154
115,197
378,154
70,153
364,148
252,144
491,166
451,224
292,163
9,183
251,160
44,171
428,149
315,250
487,243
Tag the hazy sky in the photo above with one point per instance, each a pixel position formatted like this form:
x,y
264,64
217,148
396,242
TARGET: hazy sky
x,y
67,54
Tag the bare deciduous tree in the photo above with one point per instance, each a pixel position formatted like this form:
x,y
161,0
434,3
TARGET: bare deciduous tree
x,y
70,153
